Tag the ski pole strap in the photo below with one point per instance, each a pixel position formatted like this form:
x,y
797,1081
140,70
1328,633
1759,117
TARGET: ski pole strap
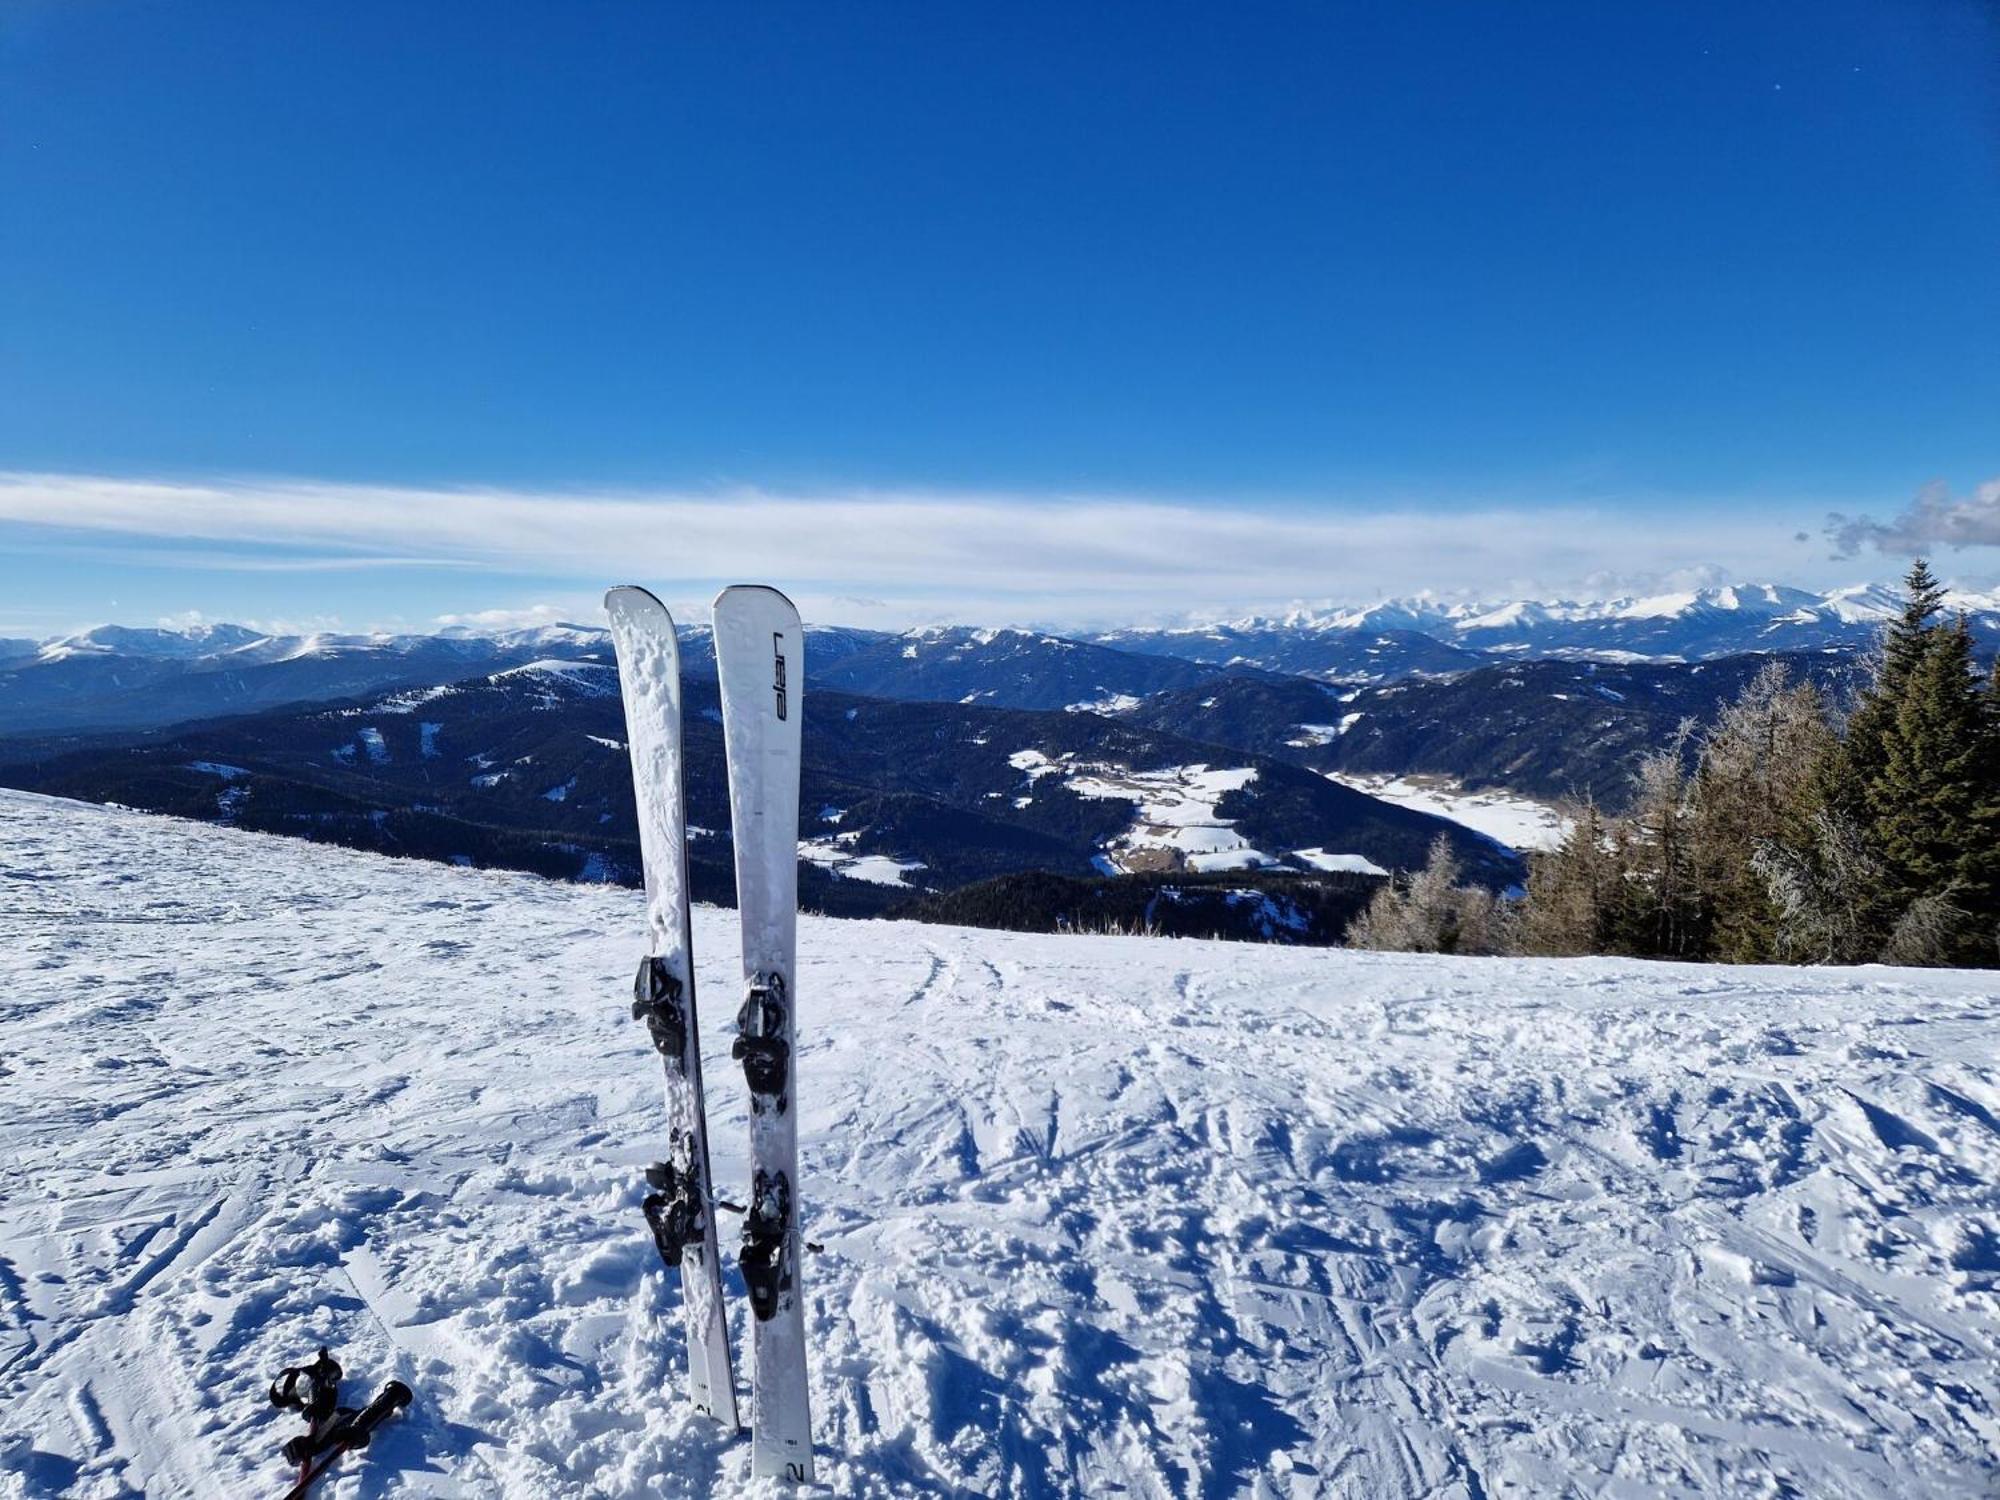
x,y
313,1389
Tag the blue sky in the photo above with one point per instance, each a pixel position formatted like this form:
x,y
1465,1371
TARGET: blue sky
x,y
374,313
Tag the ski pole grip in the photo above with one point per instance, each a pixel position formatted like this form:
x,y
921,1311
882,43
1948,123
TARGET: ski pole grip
x,y
393,1398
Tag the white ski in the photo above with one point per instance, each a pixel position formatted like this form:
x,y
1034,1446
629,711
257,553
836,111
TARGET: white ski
x,y
760,658
681,1207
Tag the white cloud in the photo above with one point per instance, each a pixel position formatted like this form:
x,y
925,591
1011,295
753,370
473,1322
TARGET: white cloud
x,y
528,617
187,619
196,619
898,557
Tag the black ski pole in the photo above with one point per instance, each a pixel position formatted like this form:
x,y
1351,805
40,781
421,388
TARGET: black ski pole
x,y
350,1431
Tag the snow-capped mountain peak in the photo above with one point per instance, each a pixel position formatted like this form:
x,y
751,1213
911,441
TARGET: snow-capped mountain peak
x,y
1745,599
1432,615
158,641
1425,636
1415,612
1522,614
1862,602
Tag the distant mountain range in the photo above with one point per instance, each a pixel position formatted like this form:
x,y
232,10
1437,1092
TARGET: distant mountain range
x,y
948,769
118,678
527,767
1552,729
1004,668
114,677
1404,637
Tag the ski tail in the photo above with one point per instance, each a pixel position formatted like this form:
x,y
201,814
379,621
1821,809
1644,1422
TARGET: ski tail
x,y
760,661
680,1209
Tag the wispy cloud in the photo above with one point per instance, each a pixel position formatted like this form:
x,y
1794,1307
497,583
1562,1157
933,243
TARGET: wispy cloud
x,y
195,619
527,617
1935,519
877,557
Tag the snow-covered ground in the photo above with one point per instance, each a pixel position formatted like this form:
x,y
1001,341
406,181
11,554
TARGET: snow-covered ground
x,y
1506,817
1175,822
837,854
1356,864
1101,1215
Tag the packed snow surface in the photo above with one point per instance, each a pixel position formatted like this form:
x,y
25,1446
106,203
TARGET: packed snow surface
x,y
1101,1215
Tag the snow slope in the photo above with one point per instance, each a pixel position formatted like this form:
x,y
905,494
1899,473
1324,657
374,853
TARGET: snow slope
x,y
1101,1215
1505,817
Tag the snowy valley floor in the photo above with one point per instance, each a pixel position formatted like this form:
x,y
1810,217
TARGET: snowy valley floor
x,y
1102,1216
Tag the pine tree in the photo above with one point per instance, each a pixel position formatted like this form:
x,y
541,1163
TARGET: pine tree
x,y
1658,910
1928,793
1827,888
1432,913
1915,775
1933,806
1756,783
1858,764
1572,890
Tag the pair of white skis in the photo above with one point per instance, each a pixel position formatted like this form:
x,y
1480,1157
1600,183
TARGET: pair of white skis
x,y
760,660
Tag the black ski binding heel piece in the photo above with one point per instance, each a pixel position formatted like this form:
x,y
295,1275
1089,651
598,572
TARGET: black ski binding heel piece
x,y
656,1000
760,1042
673,1210
765,1258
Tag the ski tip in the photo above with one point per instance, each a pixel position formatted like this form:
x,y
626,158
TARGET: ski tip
x,y
740,590
630,593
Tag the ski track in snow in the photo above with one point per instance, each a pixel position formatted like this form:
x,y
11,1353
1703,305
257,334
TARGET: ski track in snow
x,y
1101,1215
